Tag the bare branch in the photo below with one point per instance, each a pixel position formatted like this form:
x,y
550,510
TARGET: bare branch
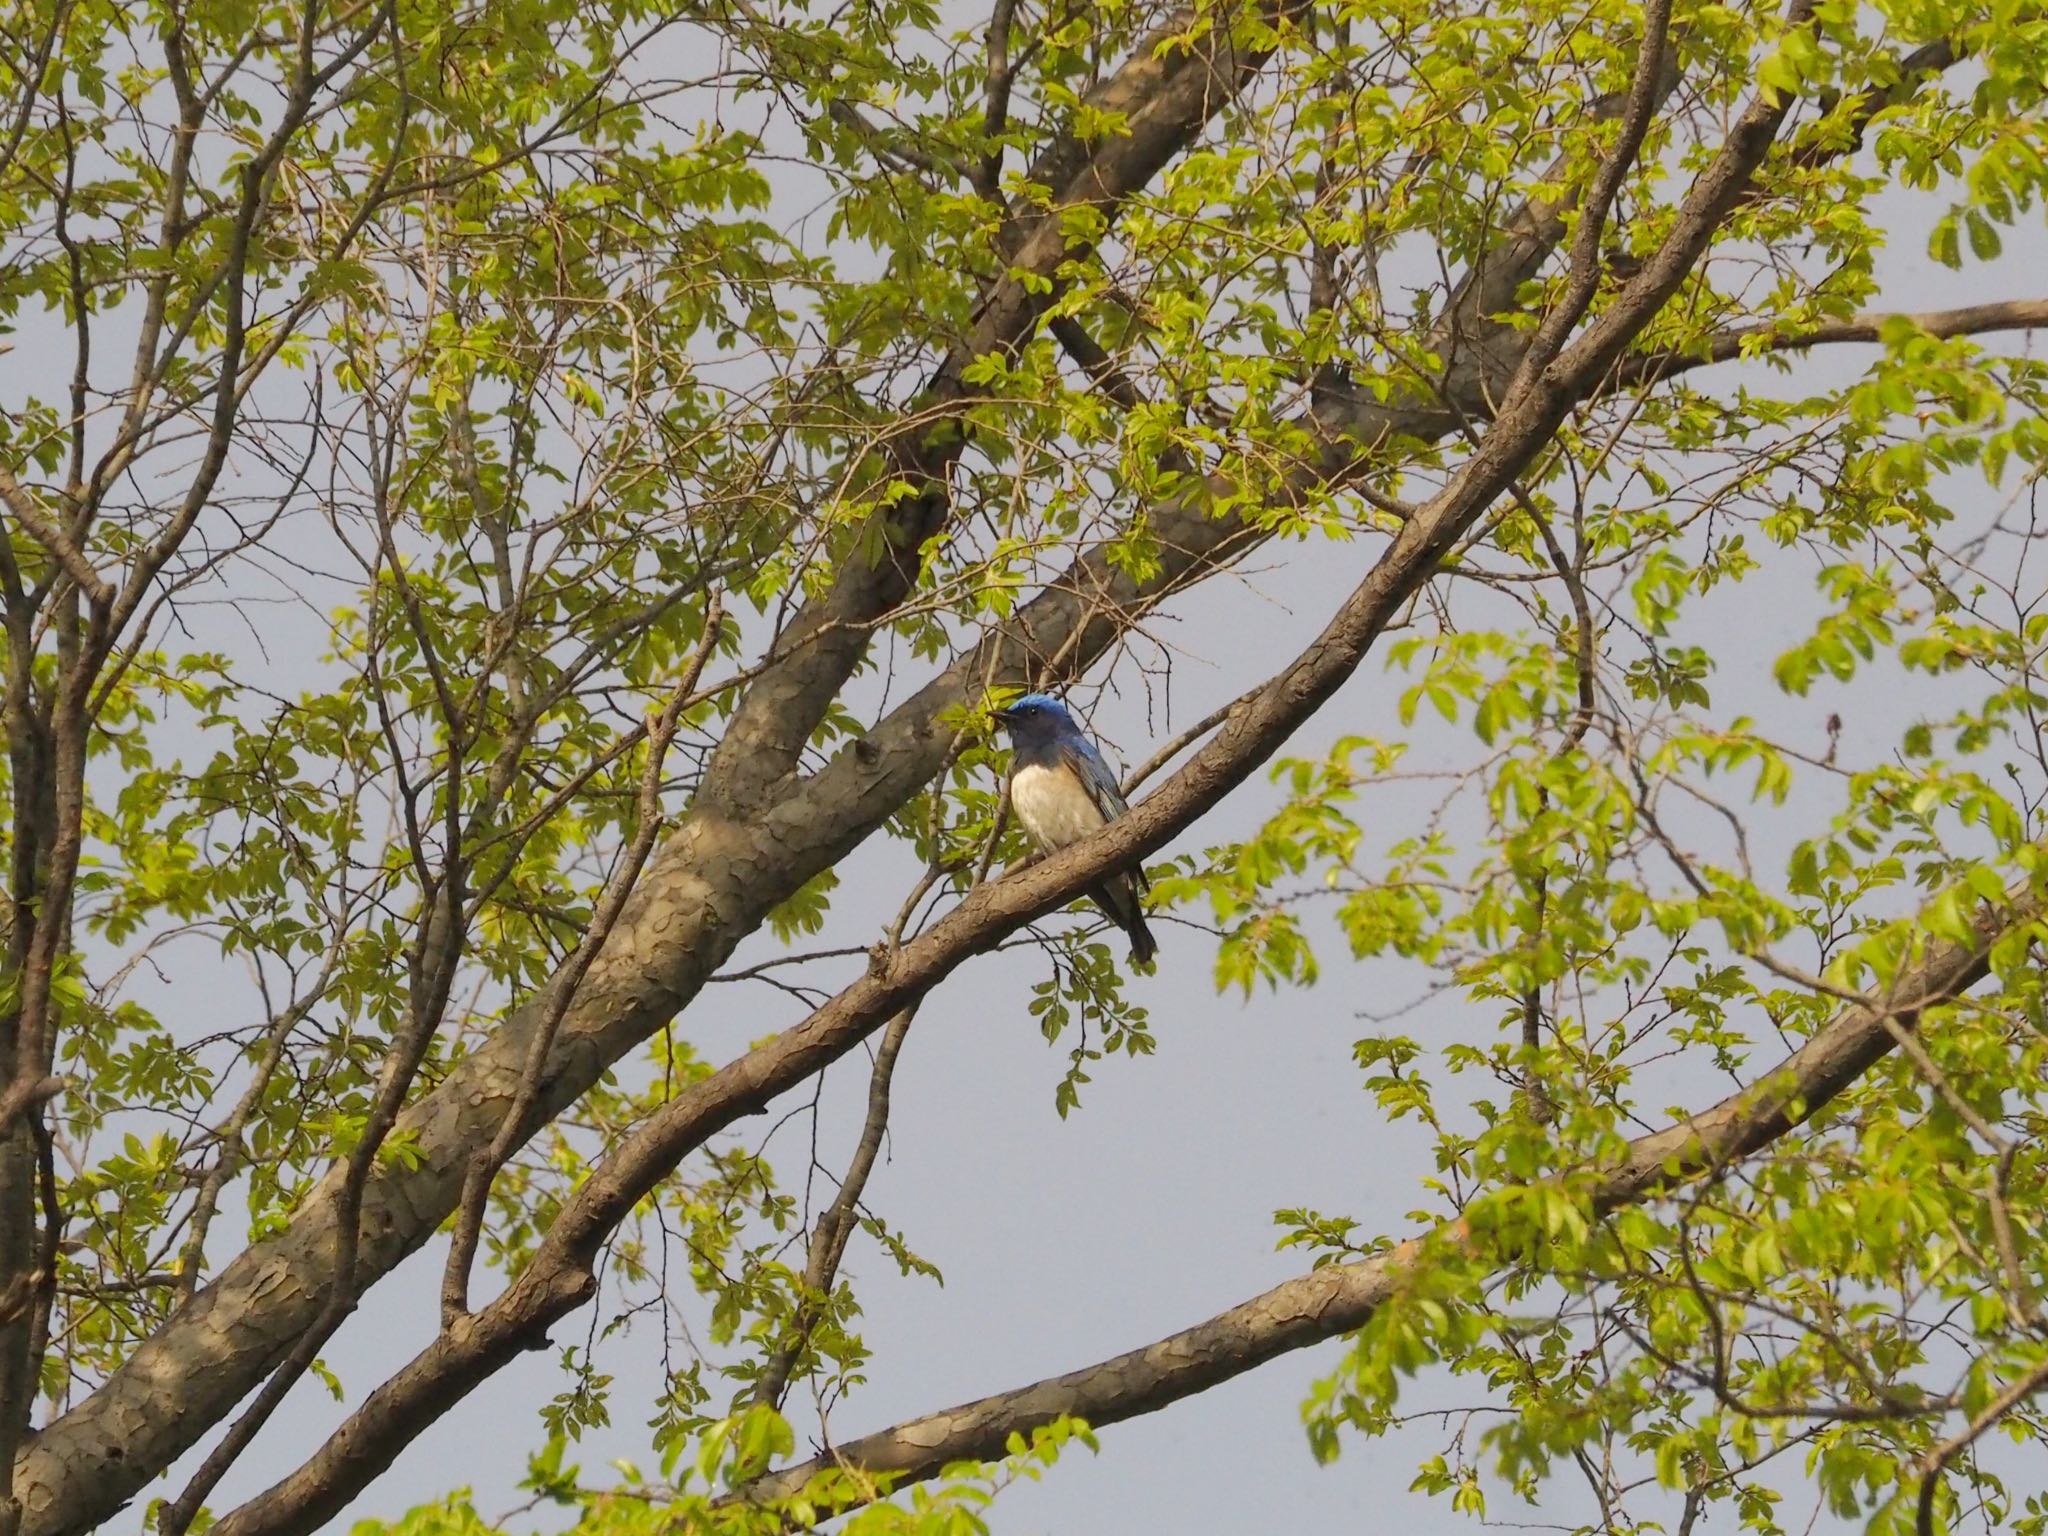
x,y
836,1223
561,1275
518,1122
192,1258
1177,744
1936,1461
44,529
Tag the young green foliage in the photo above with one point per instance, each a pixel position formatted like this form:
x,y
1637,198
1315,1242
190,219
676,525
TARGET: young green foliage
x,y
515,512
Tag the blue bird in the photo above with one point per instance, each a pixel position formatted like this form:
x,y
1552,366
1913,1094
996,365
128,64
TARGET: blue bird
x,y
1062,791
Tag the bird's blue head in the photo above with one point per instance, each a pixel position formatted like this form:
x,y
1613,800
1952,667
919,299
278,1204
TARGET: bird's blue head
x,y
1037,719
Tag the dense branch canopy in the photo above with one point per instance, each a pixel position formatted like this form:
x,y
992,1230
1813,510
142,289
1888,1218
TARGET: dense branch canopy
x,y
517,512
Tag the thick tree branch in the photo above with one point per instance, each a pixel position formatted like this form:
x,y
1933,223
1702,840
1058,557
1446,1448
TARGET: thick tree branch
x,y
995,117
44,528
1341,1297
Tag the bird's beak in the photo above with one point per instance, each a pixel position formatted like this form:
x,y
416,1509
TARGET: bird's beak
x,y
1003,715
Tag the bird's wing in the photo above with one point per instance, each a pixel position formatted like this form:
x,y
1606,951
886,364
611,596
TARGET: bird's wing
x,y
1079,754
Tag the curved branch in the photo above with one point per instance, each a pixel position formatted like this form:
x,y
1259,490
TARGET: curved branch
x,y
835,1225
42,526
1341,1297
1167,94
1936,1461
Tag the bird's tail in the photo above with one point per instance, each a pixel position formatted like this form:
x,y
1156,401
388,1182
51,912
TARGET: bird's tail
x,y
1121,902
1143,945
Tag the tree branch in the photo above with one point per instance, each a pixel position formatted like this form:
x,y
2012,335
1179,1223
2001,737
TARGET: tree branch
x,y
1582,274
519,1120
1759,340
44,529
1168,96
835,1225
995,116
1936,1461
1341,1297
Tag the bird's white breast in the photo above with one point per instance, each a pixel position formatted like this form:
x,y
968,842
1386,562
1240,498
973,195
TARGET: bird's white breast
x,y
1054,807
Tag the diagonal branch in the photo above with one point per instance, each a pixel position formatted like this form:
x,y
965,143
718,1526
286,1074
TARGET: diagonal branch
x,y
1582,274
29,511
1080,614
518,1123
835,1226
1936,1461
1167,95
1341,1297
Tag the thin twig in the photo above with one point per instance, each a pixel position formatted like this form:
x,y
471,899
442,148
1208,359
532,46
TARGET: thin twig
x,y
835,1226
1178,744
